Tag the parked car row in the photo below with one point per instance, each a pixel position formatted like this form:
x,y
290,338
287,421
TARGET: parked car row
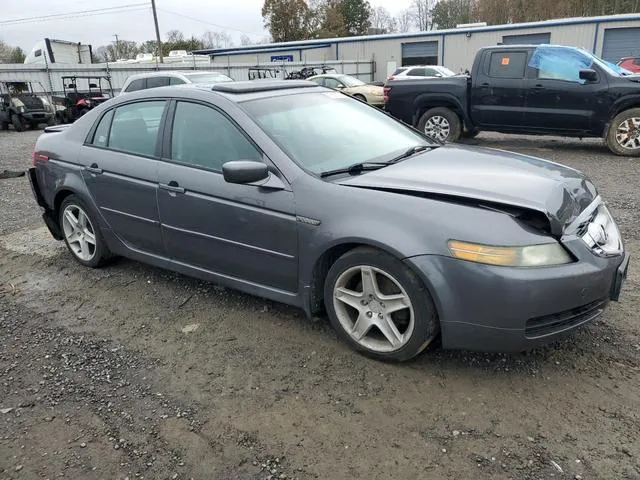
x,y
544,90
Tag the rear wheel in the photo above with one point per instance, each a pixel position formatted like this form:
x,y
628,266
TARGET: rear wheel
x,y
441,124
82,233
379,306
17,123
623,137
360,97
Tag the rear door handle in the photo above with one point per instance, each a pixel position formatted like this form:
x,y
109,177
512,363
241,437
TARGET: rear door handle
x,y
538,87
172,186
94,169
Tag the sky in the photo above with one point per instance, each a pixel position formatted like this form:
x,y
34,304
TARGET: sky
x,y
236,17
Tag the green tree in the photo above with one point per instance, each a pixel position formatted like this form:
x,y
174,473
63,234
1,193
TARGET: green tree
x,y
17,56
449,13
356,15
287,20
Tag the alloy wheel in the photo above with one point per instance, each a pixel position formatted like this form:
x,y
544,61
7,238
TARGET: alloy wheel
x,y
437,127
79,232
373,308
628,133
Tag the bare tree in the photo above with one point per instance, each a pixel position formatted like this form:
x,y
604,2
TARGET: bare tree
x,y
404,21
381,19
211,39
5,52
245,40
422,12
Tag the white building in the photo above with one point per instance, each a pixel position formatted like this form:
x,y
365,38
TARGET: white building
x,y
610,37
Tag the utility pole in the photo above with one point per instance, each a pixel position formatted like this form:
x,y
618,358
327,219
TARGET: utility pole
x,y
117,47
155,21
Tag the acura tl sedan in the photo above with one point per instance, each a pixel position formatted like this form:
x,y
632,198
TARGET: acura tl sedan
x,y
304,195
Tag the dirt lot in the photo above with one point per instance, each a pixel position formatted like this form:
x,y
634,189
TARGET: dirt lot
x,y
134,372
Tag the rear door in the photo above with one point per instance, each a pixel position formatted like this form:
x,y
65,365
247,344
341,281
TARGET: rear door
x,y
558,100
122,176
498,93
246,232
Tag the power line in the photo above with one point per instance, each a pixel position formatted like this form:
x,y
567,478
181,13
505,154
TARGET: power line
x,y
80,13
208,23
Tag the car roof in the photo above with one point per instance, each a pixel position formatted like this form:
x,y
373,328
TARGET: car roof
x,y
171,73
254,86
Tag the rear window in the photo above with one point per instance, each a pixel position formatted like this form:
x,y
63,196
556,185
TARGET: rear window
x,y
399,70
135,85
417,72
507,64
155,82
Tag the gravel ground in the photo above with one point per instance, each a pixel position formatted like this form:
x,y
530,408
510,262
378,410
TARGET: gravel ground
x,y
134,372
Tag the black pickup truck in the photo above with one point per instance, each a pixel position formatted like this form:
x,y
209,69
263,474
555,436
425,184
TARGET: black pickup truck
x,y
532,89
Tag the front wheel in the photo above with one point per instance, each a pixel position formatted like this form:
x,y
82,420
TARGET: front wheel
x,y
623,137
360,97
17,123
379,306
441,124
82,233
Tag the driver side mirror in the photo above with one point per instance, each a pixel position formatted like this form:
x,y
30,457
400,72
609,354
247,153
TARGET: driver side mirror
x,y
244,171
589,75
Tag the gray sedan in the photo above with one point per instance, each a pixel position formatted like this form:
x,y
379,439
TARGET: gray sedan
x,y
303,195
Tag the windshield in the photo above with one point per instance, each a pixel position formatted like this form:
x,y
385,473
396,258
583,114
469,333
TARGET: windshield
x,y
351,81
208,78
610,68
327,131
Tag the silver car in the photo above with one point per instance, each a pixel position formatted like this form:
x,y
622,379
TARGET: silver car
x,y
304,195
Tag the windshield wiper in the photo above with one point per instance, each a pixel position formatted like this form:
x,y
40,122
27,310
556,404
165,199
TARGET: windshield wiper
x,y
355,169
410,152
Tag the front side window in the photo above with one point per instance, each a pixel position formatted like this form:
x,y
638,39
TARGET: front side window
x,y
332,83
507,64
135,127
204,137
559,64
325,131
135,85
155,82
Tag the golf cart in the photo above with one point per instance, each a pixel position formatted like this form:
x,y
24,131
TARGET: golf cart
x,y
261,73
306,72
76,103
23,107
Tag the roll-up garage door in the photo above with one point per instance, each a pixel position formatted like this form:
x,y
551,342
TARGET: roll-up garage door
x,y
420,53
528,39
621,42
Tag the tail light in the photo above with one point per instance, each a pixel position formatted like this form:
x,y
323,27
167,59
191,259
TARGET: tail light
x,y
391,78
387,91
39,157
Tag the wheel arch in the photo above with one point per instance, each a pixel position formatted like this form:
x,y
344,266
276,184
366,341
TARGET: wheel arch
x,y
426,102
314,304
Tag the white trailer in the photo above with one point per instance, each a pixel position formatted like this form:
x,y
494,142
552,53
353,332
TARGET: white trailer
x,y
50,51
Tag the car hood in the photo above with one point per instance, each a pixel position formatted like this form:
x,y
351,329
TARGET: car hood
x,y
490,176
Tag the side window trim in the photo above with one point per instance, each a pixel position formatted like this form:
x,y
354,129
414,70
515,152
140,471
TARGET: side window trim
x,y
168,135
159,140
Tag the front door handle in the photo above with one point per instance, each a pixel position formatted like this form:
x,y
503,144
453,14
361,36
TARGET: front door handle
x,y
94,169
172,186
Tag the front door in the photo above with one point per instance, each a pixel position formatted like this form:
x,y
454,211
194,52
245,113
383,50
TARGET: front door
x,y
122,174
498,94
245,232
558,100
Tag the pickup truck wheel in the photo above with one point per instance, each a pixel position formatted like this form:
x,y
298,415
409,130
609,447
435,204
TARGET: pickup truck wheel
x,y
623,137
441,124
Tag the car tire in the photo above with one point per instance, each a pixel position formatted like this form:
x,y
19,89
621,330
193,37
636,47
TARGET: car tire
x,y
396,331
4,125
17,123
442,124
623,136
81,234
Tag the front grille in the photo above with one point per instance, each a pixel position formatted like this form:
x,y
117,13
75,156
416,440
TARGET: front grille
x,y
540,326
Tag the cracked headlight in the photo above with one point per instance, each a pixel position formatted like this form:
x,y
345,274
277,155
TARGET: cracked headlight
x,y
601,234
544,255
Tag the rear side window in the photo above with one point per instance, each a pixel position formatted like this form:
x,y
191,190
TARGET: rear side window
x,y
135,127
431,72
101,134
176,81
507,64
417,72
332,83
154,82
636,61
204,137
135,85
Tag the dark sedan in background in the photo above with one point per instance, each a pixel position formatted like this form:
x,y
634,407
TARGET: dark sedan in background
x,y
303,195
